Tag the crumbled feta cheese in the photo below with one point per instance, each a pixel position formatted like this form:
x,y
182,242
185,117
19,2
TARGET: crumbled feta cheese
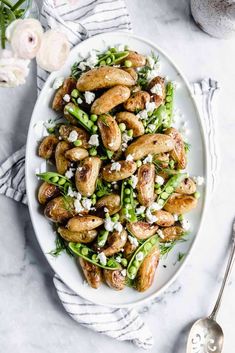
x,y
160,233
116,166
151,127
134,181
109,224
78,207
82,66
159,180
150,61
199,180
140,210
71,193
126,138
102,258
89,97
94,140
58,82
176,217
66,98
87,203
118,227
185,224
92,60
155,207
150,106
150,217
106,210
121,47
70,173
157,89
123,272
142,115
118,259
133,240
73,136
79,100
129,158
139,256
148,159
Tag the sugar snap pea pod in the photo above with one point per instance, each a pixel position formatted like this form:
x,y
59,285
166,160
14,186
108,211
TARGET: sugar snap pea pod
x,y
80,115
169,103
89,255
127,202
139,255
102,237
2,26
170,187
56,179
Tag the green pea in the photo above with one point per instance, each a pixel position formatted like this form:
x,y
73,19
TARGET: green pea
x,y
168,105
127,200
84,251
168,98
130,132
197,195
128,63
164,195
161,202
93,117
180,217
102,63
115,218
113,50
124,262
169,189
153,241
147,247
109,185
55,179
62,181
127,191
94,129
138,163
171,164
92,151
122,127
158,191
94,257
108,61
132,270
77,143
51,130
136,263
75,93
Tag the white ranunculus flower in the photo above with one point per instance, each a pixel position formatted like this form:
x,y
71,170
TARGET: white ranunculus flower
x,y
25,37
54,50
13,70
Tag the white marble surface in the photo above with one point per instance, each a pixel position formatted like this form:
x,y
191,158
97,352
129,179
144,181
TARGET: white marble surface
x,y
32,319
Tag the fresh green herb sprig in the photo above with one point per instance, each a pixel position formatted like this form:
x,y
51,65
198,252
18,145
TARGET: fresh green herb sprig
x,y
180,257
144,71
103,188
60,246
187,146
165,248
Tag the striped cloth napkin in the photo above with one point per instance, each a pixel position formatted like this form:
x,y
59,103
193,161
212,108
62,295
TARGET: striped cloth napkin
x,y
80,19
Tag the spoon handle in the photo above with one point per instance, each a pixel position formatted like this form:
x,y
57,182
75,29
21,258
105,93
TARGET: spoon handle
x,y
226,275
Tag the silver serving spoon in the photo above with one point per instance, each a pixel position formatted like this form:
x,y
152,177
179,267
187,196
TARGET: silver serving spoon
x,y
206,335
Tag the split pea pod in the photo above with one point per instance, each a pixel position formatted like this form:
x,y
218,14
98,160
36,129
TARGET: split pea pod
x,y
56,179
169,103
170,187
127,202
139,256
80,115
89,255
102,237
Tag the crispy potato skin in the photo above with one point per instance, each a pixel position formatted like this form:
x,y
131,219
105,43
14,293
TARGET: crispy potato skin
x,y
84,223
65,130
47,147
86,175
127,169
178,153
137,60
110,99
62,163
154,144
137,101
129,249
67,87
164,218
47,192
76,154
110,132
145,185
116,242
111,202
114,279
58,211
132,72
132,122
145,275
187,186
180,204
104,77
172,233
158,99
92,273
77,237
142,230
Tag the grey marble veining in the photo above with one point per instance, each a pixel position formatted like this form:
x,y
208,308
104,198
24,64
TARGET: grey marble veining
x,y
32,320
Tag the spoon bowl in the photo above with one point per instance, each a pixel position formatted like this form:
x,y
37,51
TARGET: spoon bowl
x,y
206,336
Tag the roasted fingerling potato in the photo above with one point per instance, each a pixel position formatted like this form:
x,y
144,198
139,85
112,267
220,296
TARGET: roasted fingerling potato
x,y
68,85
47,192
145,185
145,275
114,279
47,147
87,174
110,132
92,273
